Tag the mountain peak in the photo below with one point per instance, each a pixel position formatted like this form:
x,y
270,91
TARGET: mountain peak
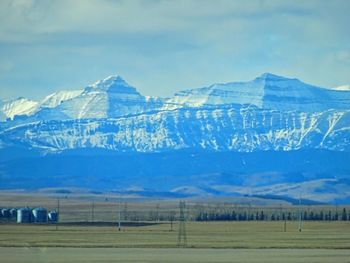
x,y
114,79
270,76
111,81
112,84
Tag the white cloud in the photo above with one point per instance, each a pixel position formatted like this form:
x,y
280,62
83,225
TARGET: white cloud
x,y
183,43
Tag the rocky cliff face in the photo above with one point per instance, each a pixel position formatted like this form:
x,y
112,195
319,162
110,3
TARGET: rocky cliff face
x,y
213,129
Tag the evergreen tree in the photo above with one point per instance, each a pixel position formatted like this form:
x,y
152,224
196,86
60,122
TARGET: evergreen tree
x,y
344,216
321,215
283,216
262,215
234,216
305,215
329,215
311,216
336,216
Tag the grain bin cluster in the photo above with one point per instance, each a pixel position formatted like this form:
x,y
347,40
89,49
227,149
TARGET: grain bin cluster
x,y
28,215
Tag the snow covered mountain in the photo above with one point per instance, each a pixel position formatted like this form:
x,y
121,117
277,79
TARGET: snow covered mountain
x,y
214,129
109,98
26,107
55,99
267,91
267,113
17,107
270,114
114,97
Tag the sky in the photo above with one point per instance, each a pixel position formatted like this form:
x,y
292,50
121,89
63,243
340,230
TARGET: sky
x,y
161,47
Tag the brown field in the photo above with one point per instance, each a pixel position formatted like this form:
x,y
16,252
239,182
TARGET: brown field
x,y
148,255
84,235
199,235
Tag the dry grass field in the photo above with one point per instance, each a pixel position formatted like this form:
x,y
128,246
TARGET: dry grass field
x,y
250,235
112,255
80,238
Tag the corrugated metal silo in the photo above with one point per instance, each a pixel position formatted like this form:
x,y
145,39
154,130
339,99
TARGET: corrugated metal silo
x,y
13,213
52,217
5,213
39,215
24,215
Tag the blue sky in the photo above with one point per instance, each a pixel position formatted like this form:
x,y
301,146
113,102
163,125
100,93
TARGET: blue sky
x,y
161,47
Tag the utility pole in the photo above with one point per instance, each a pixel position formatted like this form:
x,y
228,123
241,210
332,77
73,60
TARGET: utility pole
x,y
157,213
172,216
280,212
300,216
119,215
125,211
92,211
58,212
182,237
249,211
285,219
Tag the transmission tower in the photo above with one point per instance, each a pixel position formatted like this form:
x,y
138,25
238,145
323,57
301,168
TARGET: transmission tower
x,y
125,211
300,216
182,237
119,214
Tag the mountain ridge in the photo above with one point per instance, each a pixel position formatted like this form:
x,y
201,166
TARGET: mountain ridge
x,y
264,91
221,139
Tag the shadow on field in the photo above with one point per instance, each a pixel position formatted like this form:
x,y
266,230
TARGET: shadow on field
x,y
109,224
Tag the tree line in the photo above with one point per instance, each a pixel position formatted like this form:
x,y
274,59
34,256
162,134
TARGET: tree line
x,y
262,215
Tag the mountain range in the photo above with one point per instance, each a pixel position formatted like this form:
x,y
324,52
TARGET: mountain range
x,y
255,137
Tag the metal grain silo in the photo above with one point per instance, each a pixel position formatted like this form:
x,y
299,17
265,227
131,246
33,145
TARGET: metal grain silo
x,y
52,217
5,212
24,215
39,215
13,213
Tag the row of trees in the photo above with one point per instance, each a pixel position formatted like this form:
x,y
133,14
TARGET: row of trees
x,y
273,216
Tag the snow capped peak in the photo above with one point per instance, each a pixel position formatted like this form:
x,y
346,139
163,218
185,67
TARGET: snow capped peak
x,y
114,83
267,91
111,80
115,78
271,77
113,97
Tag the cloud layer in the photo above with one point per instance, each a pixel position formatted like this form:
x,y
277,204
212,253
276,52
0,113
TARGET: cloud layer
x,y
164,46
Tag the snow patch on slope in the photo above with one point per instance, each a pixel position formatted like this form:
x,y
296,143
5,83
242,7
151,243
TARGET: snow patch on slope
x,y
17,107
55,99
342,88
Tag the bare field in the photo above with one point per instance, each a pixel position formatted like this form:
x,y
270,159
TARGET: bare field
x,y
109,255
88,232
199,234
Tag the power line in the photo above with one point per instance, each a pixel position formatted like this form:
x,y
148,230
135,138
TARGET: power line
x,y
92,211
119,214
300,216
58,212
182,237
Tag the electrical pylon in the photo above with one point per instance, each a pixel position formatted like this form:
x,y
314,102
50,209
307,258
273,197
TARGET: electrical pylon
x,y
182,237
